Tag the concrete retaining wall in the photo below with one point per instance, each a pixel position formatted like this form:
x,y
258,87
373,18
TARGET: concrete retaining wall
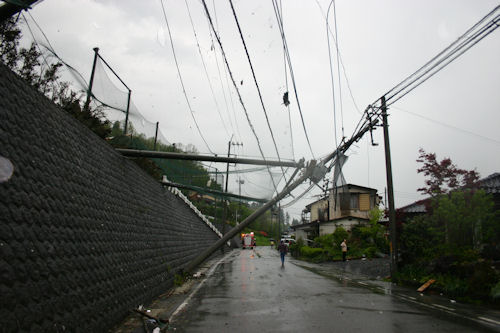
x,y
85,235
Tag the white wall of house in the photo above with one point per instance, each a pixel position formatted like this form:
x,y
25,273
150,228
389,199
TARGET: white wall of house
x,y
346,223
317,208
300,234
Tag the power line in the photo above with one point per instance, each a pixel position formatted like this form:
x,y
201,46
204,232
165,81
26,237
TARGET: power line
x,y
236,88
292,76
225,73
470,38
221,83
341,62
338,66
180,78
205,68
286,85
331,75
256,84
448,125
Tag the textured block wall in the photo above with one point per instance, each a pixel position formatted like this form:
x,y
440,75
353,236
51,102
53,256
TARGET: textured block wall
x,y
85,235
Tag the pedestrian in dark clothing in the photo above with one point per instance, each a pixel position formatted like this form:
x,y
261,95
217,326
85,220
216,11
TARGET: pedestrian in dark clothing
x,y
283,248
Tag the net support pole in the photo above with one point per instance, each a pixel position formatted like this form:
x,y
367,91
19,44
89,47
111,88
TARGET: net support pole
x,y
91,82
126,114
156,134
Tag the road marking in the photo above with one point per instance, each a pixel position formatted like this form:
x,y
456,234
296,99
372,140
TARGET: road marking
x,y
443,307
186,301
489,320
364,284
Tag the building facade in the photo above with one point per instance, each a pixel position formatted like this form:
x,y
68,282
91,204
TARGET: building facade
x,y
345,206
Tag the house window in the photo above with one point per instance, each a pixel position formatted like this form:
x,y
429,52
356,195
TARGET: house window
x,y
349,201
354,201
344,201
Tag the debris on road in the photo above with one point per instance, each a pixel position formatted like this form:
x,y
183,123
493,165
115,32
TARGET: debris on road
x,y
426,285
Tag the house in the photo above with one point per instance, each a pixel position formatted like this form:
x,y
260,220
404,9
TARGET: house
x,y
345,206
490,184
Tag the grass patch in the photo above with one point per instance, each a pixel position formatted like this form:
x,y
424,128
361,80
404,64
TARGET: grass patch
x,y
261,240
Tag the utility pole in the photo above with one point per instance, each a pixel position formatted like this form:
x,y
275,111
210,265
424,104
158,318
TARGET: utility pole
x,y
239,181
224,214
279,220
215,197
390,190
227,181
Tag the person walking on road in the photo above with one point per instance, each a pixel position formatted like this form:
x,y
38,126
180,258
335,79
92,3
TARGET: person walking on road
x,y
343,245
283,250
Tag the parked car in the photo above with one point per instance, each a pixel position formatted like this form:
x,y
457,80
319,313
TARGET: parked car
x,y
288,241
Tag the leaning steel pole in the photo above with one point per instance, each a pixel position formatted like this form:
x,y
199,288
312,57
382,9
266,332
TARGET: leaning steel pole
x,y
310,172
231,233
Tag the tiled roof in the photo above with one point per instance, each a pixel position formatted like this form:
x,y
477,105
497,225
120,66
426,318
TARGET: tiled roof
x,y
491,184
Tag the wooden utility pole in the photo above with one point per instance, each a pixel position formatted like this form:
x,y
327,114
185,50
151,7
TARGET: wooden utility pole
x,y
390,190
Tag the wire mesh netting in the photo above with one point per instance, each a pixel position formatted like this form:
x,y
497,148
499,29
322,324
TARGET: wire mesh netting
x,y
117,102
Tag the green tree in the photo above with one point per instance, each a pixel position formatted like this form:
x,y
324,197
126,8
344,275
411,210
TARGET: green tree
x,y
448,241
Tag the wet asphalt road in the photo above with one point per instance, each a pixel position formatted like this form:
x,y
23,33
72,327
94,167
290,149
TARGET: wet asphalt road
x,y
249,291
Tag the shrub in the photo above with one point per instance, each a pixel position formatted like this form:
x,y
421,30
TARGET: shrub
x,y
495,291
339,235
313,253
325,241
370,251
452,285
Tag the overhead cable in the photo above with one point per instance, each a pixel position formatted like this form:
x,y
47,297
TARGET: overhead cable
x,y
222,84
286,87
292,76
236,88
338,66
256,84
205,68
448,125
225,70
471,37
331,75
341,62
181,80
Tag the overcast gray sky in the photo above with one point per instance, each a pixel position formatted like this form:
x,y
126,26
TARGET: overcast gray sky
x,y
455,114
